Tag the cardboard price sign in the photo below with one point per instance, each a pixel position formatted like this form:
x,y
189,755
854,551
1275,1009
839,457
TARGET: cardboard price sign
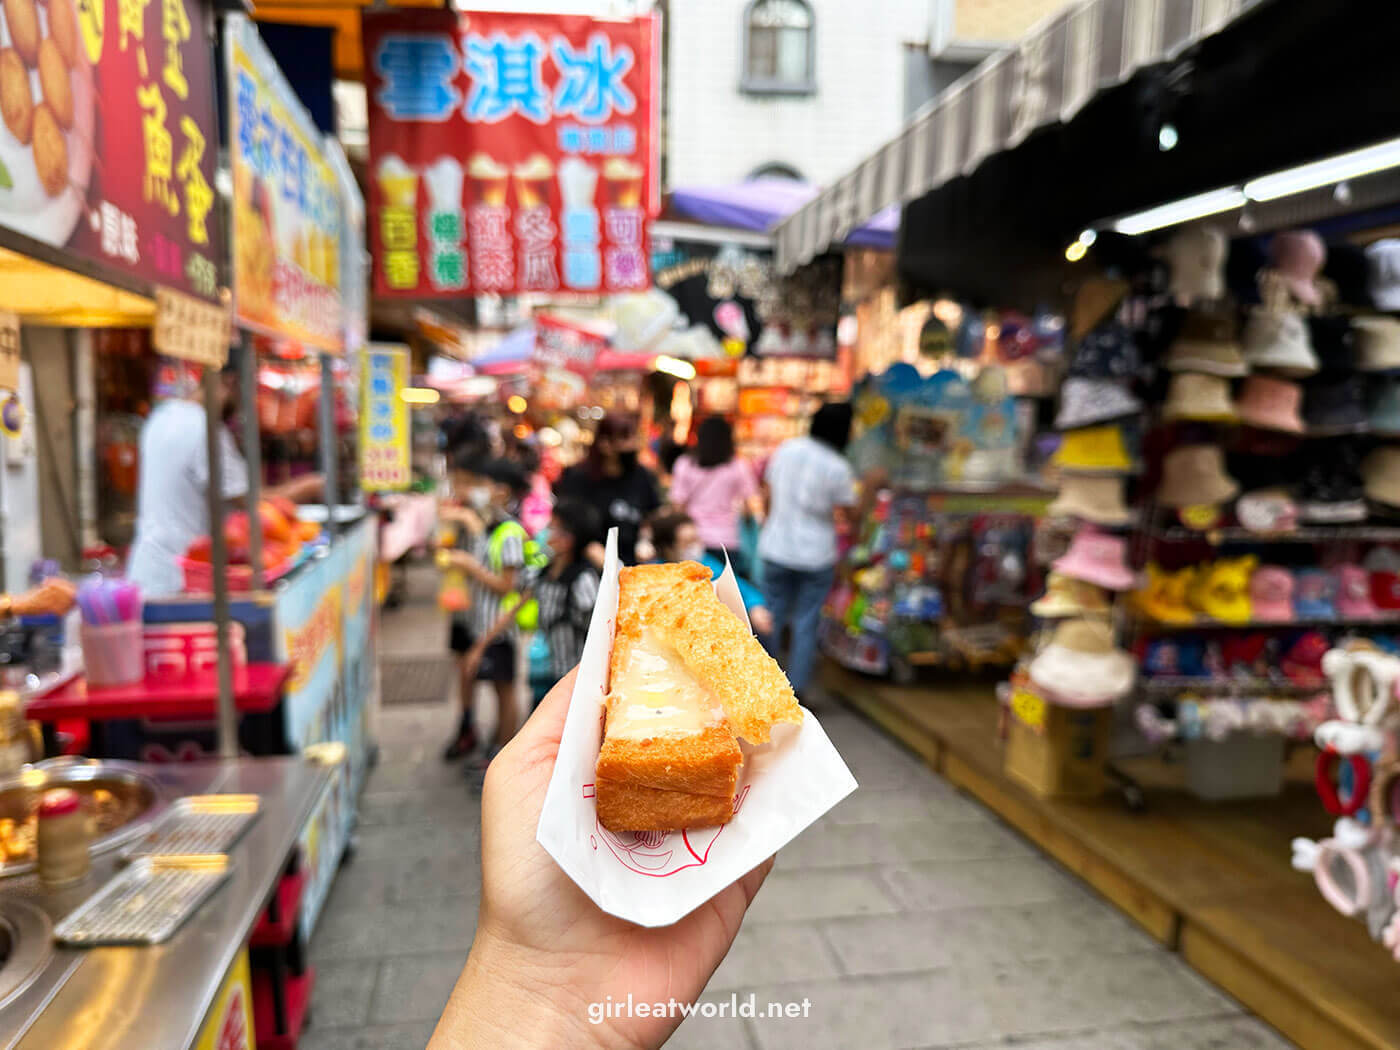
x,y
9,351
191,329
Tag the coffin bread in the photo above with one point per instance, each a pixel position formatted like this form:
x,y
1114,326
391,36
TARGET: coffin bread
x,y
686,679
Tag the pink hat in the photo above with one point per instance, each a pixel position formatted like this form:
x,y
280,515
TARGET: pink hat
x,y
1271,404
1354,594
1098,558
1271,593
1298,256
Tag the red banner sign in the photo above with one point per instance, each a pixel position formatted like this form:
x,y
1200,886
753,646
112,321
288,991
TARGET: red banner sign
x,y
110,141
509,152
560,344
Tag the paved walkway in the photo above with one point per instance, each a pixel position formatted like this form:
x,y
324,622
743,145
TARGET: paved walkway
x,y
909,916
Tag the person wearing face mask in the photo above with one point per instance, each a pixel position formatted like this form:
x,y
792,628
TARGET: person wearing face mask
x,y
491,551
611,480
675,538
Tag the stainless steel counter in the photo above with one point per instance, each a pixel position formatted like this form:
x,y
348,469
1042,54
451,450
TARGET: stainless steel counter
x,y
156,998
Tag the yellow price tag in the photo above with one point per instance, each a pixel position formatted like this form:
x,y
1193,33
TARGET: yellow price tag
x,y
1030,709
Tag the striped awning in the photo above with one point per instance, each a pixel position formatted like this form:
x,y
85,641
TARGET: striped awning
x,y
1046,79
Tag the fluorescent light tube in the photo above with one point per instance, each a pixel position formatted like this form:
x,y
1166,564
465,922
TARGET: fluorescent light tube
x,y
1179,211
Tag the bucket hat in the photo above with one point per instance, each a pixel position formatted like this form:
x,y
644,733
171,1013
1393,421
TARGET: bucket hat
x,y
1093,498
1335,403
1098,558
1207,343
1267,511
1196,256
1271,592
1377,343
1096,300
1270,403
1081,666
1107,352
1094,450
1385,410
1195,474
1383,262
1297,256
1383,568
1315,594
1354,600
1279,341
1380,472
1084,402
1163,598
1204,398
1065,596
1220,590
1332,489
1333,341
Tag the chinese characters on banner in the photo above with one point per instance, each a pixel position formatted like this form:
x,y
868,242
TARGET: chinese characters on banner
x,y
510,153
287,207
384,452
115,166
559,344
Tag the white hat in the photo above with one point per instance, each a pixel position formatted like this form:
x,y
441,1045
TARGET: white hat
x,y
1081,667
1196,256
1084,402
1383,281
1377,343
1279,340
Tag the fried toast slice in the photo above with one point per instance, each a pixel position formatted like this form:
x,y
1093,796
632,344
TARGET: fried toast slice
x,y
670,758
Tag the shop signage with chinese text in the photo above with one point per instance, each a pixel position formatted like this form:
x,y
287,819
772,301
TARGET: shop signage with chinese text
x,y
110,138
510,152
287,205
384,430
560,344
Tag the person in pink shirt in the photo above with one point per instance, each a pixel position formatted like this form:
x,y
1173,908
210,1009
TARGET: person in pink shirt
x,y
715,486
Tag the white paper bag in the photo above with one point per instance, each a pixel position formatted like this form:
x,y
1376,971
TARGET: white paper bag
x,y
656,878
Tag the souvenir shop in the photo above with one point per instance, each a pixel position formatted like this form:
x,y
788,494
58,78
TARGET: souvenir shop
x,y
1203,721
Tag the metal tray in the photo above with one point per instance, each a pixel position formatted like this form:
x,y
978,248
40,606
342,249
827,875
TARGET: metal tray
x,y
198,824
146,902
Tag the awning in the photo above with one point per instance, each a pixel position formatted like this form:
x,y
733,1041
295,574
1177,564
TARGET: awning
x,y
1046,79
762,203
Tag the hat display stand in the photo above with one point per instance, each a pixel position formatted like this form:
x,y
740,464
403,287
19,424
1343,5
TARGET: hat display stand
x,y
940,574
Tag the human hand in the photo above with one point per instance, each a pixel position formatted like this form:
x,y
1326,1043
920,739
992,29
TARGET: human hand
x,y
466,561
54,596
761,619
544,951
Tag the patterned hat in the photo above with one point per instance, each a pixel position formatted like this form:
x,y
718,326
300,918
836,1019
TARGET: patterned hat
x,y
1108,352
1084,402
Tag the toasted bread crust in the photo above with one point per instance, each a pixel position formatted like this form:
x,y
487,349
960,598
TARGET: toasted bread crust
x,y
701,764
632,807
678,602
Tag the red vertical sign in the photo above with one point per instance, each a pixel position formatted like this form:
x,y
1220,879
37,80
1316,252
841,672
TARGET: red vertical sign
x,y
510,152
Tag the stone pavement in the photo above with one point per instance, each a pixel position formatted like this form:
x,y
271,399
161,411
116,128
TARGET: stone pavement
x,y
909,916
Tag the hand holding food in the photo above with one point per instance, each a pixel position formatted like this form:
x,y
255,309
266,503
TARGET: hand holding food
x,y
55,596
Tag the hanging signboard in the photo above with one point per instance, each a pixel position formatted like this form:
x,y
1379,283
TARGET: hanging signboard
x,y
561,344
510,152
287,207
384,433
109,139
354,274
191,329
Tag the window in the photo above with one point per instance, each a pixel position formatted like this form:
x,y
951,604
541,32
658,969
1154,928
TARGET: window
x,y
778,47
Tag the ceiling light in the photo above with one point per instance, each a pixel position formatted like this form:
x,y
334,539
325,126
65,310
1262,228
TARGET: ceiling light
x,y
1324,172
1179,211
674,366
1167,138
1088,237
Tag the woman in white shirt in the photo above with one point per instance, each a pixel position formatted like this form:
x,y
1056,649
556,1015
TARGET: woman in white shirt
x,y
809,485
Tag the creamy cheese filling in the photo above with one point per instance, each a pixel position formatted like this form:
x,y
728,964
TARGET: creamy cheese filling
x,y
655,695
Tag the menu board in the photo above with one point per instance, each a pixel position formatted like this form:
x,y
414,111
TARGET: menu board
x,y
510,152
108,138
287,206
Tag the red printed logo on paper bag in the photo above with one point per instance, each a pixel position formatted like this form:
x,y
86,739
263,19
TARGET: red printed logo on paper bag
x,y
510,153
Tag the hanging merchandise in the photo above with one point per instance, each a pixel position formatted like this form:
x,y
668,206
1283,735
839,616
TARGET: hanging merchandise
x,y
1093,498
1084,402
1207,343
1095,450
1196,258
1377,343
1194,475
1066,596
1200,398
1081,666
1098,558
1280,342
1271,403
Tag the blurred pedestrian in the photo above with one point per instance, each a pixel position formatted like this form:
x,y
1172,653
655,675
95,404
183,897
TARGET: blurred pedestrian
x,y
715,486
567,587
491,552
810,486
675,537
611,480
